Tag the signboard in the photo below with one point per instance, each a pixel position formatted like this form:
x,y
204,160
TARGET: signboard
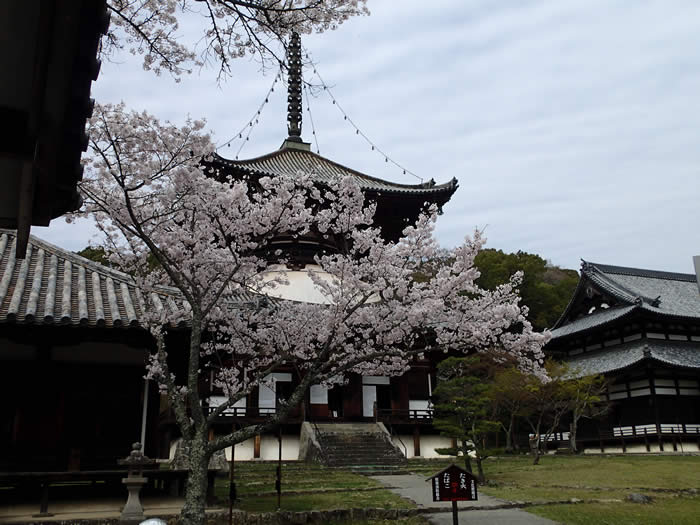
x,y
453,484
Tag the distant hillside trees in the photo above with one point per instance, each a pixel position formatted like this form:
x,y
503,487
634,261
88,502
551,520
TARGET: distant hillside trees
x,y
96,254
545,289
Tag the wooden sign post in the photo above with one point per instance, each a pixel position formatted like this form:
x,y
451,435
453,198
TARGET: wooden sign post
x,y
454,484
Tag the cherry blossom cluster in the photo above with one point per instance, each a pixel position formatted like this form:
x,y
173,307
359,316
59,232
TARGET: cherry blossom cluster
x,y
229,28
198,250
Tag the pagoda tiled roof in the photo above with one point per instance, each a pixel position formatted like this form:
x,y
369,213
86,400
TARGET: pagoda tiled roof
x,y
674,353
662,294
290,161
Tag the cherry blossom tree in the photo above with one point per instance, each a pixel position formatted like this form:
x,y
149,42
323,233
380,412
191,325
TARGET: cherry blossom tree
x,y
206,245
228,29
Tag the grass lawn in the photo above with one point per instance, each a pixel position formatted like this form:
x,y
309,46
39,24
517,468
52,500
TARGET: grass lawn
x,y
337,500
255,487
663,511
418,520
596,477
511,478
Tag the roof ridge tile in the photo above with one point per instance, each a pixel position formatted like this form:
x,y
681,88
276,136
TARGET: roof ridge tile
x,y
642,272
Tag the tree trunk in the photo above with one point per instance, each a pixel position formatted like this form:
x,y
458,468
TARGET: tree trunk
x,y
480,468
467,460
196,490
573,428
535,448
509,434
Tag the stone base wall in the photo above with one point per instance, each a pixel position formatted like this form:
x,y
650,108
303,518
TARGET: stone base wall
x,y
299,447
640,448
316,517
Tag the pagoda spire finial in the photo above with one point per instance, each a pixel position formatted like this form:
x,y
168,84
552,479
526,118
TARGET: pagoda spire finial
x,y
294,103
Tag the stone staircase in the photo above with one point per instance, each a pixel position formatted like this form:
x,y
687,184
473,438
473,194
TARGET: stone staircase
x,y
362,447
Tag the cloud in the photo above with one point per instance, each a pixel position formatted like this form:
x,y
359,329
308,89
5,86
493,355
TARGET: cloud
x,y
571,126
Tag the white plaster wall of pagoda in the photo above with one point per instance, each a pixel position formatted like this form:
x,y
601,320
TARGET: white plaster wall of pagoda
x,y
244,451
268,449
299,286
428,444
639,448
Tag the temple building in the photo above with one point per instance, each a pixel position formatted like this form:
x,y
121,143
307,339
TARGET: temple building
x,y
72,357
641,330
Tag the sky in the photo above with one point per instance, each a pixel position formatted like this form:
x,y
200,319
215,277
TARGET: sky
x,y
573,127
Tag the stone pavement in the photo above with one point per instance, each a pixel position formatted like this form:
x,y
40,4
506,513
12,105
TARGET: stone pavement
x,y
486,510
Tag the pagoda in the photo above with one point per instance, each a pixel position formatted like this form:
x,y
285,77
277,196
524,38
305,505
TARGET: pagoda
x,y
397,204
403,403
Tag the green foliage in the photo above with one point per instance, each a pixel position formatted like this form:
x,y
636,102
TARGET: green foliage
x,y
100,256
95,253
463,405
545,289
462,398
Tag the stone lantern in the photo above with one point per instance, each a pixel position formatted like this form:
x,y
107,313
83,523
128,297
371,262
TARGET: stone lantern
x,y
136,461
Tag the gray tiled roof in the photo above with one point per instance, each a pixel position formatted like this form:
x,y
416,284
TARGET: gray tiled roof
x,y
288,161
52,286
599,318
665,294
676,353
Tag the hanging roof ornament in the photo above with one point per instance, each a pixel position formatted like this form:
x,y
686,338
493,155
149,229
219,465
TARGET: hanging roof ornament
x,y
294,103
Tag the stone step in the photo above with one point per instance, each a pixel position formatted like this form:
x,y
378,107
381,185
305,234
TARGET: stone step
x,y
359,446
349,428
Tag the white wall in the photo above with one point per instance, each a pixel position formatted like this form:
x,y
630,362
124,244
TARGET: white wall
x,y
428,444
244,451
268,449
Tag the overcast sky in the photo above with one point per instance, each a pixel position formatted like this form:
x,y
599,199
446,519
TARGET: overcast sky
x,y
573,127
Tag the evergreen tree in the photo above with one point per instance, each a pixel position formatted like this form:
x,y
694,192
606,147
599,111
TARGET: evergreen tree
x,y
464,408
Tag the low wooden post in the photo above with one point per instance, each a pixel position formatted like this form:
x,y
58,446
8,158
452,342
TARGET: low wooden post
x,y
231,480
278,483
416,441
256,446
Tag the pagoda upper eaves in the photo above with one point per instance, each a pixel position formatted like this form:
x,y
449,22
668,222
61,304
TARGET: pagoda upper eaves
x,y
397,204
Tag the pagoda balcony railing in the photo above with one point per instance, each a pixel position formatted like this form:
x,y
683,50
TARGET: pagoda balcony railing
x,y
244,413
405,415
252,412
